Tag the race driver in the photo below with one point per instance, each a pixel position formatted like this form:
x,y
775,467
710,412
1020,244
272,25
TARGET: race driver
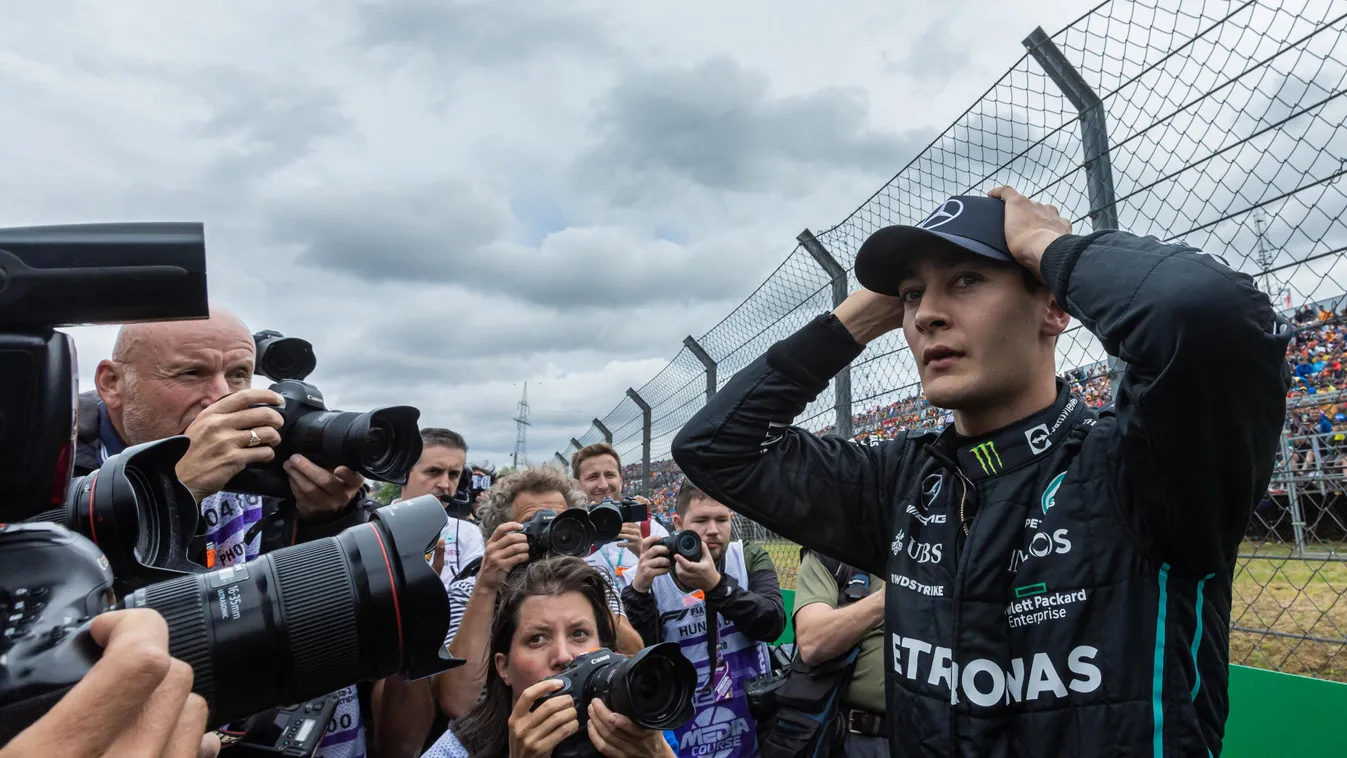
x,y
1058,578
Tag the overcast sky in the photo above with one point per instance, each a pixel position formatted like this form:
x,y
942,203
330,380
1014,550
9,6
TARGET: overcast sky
x,y
450,199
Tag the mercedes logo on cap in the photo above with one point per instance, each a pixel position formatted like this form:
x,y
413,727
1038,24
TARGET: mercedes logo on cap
x,y
946,213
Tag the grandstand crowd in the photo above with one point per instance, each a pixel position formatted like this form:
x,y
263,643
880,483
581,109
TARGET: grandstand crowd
x,y
1317,415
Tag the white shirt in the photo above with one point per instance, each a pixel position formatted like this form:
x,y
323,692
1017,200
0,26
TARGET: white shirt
x,y
619,561
463,544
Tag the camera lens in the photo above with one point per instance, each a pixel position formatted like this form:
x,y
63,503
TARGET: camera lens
x,y
688,545
607,521
317,617
382,444
137,512
282,357
654,688
570,533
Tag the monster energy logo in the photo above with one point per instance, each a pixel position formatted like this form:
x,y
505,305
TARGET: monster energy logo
x,y
988,457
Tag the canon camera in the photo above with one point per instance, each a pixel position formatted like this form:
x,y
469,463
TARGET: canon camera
x,y
653,688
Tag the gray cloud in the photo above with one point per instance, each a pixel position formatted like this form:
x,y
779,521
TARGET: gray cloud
x,y
483,33
717,125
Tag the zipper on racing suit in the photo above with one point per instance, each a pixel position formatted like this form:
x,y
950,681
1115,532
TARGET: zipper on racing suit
x,y
968,510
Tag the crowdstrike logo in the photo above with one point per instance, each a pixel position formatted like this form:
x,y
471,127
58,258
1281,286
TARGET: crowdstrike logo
x,y
946,213
988,457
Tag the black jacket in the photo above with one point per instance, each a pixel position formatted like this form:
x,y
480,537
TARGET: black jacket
x,y
1061,586
280,526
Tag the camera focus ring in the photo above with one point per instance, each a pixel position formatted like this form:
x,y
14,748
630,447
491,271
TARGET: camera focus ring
x,y
317,596
188,639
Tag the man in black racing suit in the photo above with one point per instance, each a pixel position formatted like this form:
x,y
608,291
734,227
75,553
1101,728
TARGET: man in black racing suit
x,y
1059,579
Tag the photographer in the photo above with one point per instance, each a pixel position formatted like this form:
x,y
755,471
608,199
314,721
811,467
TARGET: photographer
x,y
135,701
439,472
829,622
729,604
549,612
1059,577
511,501
194,378
598,469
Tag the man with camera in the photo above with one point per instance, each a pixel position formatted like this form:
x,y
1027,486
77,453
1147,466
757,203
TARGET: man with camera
x,y
720,600
440,472
516,514
194,378
838,609
1059,577
598,469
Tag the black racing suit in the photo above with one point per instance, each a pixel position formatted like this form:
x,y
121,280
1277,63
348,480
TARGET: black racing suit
x,y
1061,586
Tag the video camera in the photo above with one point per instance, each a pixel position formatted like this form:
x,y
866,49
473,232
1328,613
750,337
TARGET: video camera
x,y
383,444
653,688
313,617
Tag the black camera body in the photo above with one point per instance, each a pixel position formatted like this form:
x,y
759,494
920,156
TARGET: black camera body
x,y
609,515
383,444
567,533
54,582
684,542
653,688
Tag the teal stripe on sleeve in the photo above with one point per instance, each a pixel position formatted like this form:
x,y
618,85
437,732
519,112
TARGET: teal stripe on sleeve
x,y
1158,677
1197,637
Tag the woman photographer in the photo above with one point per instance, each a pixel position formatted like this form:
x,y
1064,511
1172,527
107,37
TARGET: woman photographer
x,y
548,612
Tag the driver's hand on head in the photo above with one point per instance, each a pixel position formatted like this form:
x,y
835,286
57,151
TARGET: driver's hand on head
x,y
536,733
135,702
321,495
507,548
615,736
227,436
1030,227
654,562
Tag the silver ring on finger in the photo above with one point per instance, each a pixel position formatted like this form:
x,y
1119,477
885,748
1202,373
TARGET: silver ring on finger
x,y
253,439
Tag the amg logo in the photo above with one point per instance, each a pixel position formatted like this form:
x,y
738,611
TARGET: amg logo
x,y
934,518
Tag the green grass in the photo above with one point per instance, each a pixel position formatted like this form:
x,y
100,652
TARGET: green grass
x,y
1275,591
1306,596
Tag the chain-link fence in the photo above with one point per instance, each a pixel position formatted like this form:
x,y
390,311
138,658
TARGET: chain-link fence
x,y
1215,121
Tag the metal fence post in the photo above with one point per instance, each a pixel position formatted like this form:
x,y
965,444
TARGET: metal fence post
x,y
561,459
576,443
645,440
607,435
838,275
705,358
1094,139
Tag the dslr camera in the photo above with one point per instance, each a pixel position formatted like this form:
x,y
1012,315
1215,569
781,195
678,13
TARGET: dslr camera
x,y
653,688
567,533
686,543
288,627
383,444
609,515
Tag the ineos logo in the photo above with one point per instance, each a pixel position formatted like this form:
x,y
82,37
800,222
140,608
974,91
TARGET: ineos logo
x,y
946,213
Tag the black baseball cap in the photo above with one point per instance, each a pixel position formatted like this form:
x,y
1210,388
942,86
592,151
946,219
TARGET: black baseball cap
x,y
975,223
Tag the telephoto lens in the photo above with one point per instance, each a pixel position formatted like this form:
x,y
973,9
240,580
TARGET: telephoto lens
x,y
137,512
653,688
280,357
307,620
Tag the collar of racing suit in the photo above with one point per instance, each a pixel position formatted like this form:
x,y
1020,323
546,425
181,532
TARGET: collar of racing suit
x,y
1011,447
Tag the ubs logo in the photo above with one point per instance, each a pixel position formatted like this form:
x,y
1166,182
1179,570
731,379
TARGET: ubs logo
x,y
946,213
